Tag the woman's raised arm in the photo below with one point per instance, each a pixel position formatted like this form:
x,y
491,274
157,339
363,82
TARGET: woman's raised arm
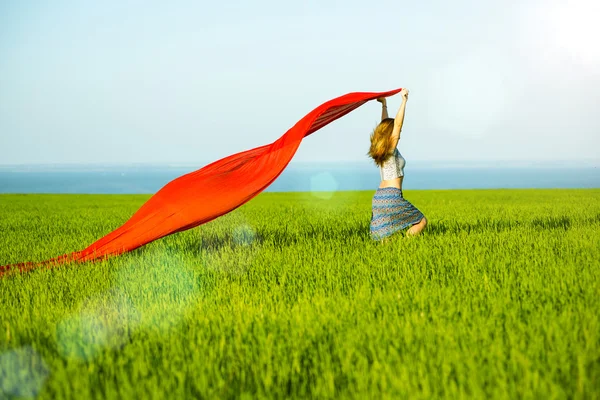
x,y
384,113
399,120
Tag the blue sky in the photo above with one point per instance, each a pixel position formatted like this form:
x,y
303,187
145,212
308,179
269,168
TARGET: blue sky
x,y
189,82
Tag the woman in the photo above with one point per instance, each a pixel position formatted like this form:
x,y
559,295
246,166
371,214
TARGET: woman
x,y
391,212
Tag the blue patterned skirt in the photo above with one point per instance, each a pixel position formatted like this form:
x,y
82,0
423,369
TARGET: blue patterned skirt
x,y
391,213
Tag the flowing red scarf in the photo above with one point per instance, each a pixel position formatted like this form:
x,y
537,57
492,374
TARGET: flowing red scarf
x,y
216,189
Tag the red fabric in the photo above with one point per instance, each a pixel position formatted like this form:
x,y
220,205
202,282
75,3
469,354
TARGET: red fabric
x,y
218,188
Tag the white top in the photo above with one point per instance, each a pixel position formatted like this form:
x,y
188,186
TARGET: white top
x,y
393,167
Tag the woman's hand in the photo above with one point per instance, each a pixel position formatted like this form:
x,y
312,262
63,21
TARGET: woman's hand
x,y
381,100
404,94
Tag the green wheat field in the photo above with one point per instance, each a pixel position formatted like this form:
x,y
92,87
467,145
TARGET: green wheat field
x,y
288,297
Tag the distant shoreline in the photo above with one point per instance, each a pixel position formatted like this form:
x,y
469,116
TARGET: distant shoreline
x,y
295,178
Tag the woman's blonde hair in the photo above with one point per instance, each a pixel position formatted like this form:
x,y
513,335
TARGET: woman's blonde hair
x,y
381,141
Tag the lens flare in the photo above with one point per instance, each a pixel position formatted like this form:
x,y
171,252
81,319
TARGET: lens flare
x,y
323,185
22,372
104,322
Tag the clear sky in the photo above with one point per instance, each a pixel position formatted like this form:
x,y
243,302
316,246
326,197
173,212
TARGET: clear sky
x,y
189,82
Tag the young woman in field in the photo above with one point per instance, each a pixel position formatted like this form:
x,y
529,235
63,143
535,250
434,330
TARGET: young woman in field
x,y
391,212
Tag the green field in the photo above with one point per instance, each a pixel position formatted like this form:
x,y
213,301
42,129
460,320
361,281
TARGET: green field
x,y
288,297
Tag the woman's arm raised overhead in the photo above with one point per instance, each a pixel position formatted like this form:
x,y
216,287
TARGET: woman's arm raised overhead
x,y
399,120
384,113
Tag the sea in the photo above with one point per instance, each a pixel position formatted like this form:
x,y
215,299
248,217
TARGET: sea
x,y
300,177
